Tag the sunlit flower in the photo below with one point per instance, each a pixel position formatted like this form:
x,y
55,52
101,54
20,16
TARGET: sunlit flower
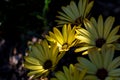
x,y
75,14
101,65
64,39
98,34
42,59
70,73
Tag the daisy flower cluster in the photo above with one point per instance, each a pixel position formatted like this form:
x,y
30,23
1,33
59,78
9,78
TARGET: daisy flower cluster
x,y
95,42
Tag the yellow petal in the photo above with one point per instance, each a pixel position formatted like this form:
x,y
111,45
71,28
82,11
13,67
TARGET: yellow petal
x,y
88,8
83,48
100,26
94,22
33,67
45,48
40,72
108,25
85,40
114,31
113,39
49,38
37,53
65,34
31,60
91,28
71,36
85,53
114,64
58,35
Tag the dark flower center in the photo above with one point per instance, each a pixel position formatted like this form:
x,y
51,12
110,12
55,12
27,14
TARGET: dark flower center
x,y
102,73
78,20
100,42
47,64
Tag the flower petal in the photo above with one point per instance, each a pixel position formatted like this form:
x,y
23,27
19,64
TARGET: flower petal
x,y
64,15
95,57
65,34
67,72
74,9
84,39
107,56
68,12
58,35
37,73
60,75
115,72
114,64
112,78
90,77
112,39
83,48
91,29
71,34
108,25
114,31
88,8
31,60
100,26
117,46
86,64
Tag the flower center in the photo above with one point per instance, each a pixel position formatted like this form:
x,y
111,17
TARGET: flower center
x,y
102,73
47,64
78,21
64,46
100,42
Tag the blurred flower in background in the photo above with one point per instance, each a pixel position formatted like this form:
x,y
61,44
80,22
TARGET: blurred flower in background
x,y
75,14
101,65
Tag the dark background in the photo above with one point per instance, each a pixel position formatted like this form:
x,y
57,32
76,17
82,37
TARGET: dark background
x,y
19,17
19,23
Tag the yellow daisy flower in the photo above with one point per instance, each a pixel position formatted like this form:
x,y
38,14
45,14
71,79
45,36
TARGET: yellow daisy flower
x,y
70,73
98,34
64,39
75,14
42,59
101,65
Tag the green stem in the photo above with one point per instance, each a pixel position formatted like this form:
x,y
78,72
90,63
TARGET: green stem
x,y
45,10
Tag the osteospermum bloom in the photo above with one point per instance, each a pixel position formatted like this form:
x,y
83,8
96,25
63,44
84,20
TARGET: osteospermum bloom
x,y
42,59
64,39
75,14
101,65
98,33
70,73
